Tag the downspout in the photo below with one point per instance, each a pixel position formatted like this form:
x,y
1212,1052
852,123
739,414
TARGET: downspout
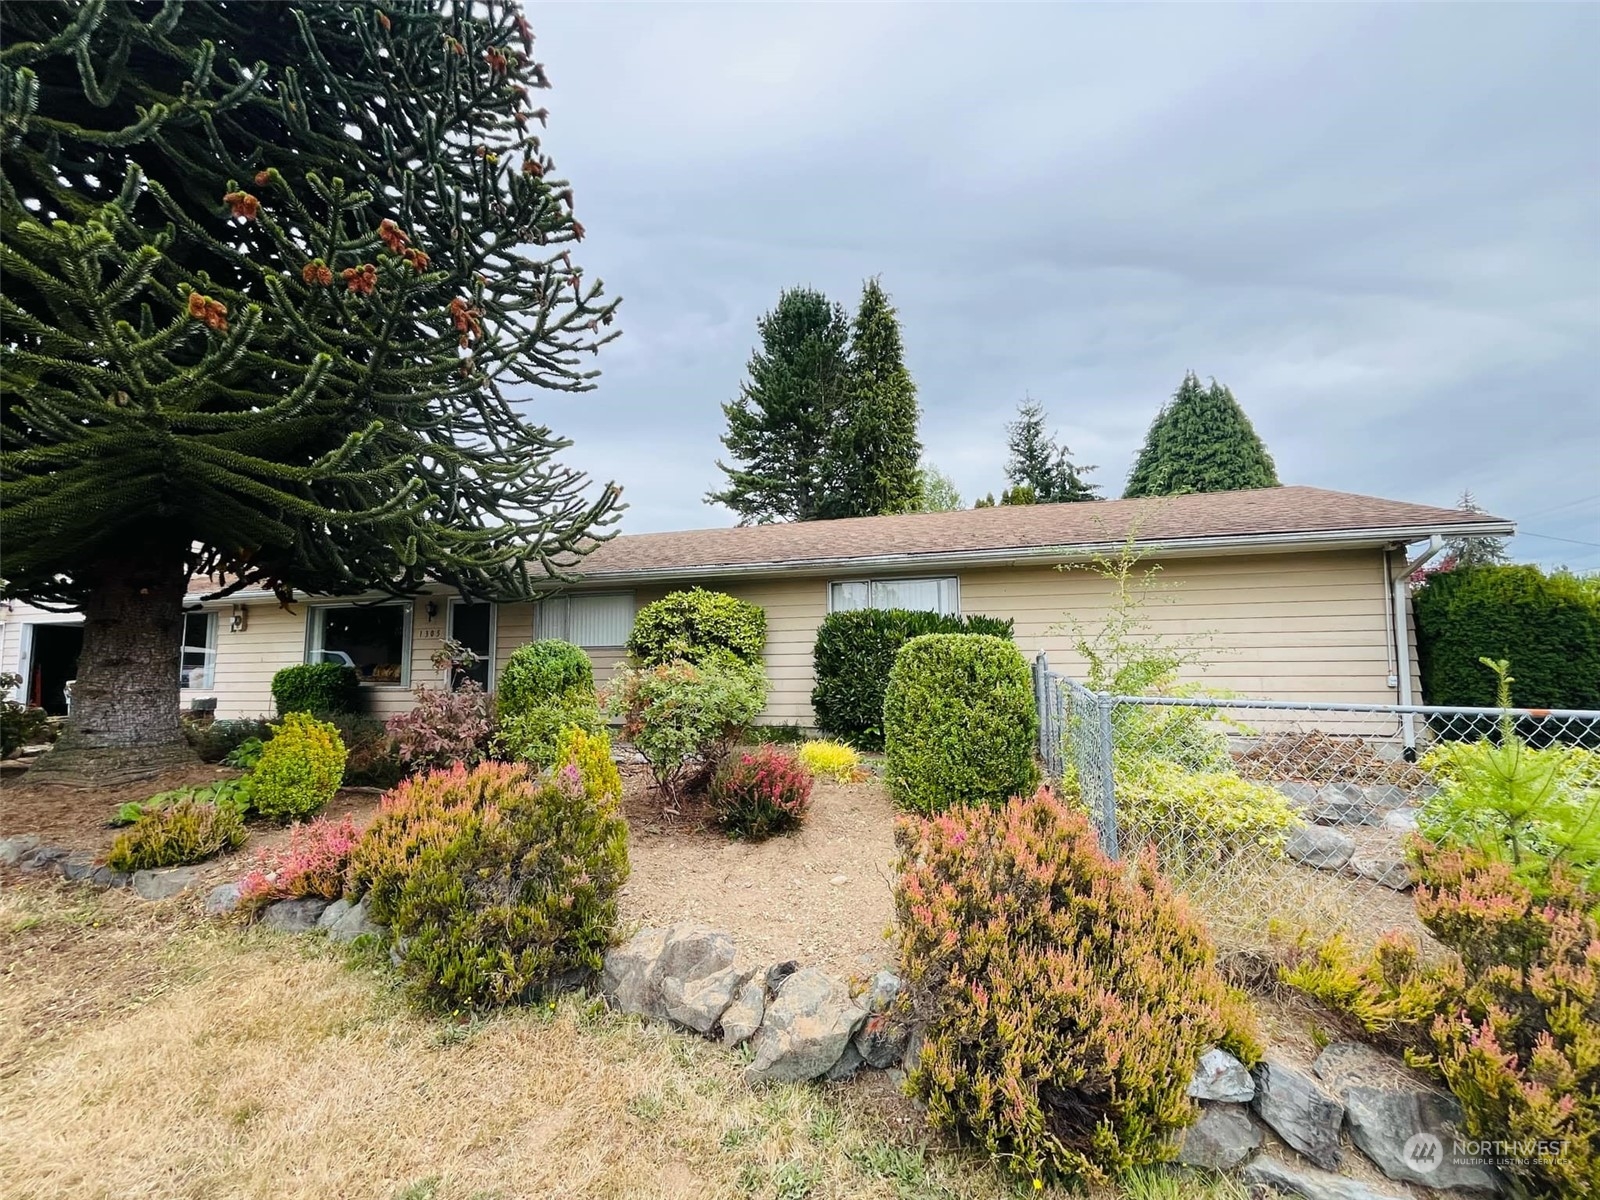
x,y
1400,591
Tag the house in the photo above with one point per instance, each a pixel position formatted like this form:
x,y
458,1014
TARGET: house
x,y
1299,594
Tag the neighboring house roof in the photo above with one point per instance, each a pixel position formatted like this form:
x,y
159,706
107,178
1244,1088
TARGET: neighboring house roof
x,y
1285,518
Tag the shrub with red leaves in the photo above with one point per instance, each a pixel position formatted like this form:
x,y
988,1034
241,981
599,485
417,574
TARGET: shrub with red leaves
x,y
1064,998
757,793
314,864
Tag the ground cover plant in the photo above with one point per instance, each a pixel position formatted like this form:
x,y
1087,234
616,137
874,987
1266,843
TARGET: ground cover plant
x,y
830,760
316,862
960,722
173,835
1065,997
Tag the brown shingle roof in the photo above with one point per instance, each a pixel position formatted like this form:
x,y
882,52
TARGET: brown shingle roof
x,y
1286,514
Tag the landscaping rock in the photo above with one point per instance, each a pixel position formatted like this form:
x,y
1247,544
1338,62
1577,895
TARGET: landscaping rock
x,y
625,978
165,883
1385,796
106,877
1316,846
1403,820
1301,795
1221,1139
881,1041
13,848
742,1018
1221,1076
1391,870
43,858
222,899
777,973
677,973
1299,1111
294,916
849,1063
700,1003
1341,804
806,1029
77,866
1309,1182
354,922
1387,1105
333,912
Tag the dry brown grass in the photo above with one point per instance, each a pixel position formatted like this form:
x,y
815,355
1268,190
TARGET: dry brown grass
x,y
145,1053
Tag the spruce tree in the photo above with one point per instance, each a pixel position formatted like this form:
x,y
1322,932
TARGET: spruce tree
x,y
1474,551
270,270
1200,441
783,428
1040,469
877,452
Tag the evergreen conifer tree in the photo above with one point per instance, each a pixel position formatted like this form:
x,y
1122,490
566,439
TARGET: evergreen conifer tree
x,y
1200,441
936,491
1474,551
783,429
876,459
1039,464
269,269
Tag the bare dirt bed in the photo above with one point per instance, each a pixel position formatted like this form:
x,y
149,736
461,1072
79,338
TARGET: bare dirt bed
x,y
821,895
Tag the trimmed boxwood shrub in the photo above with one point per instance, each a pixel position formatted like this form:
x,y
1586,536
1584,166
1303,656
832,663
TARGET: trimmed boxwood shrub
x,y
317,688
698,625
538,672
853,654
959,722
1065,998
300,769
1548,626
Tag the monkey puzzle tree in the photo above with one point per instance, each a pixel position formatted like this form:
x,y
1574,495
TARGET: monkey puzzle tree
x,y
270,271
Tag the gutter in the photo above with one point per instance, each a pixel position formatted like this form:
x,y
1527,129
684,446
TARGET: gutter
x,y
1400,592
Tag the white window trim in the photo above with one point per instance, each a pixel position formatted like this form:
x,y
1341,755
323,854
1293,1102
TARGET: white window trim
x,y
622,645
211,651
407,648
494,631
955,581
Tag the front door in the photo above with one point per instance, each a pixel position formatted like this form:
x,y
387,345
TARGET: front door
x,y
472,625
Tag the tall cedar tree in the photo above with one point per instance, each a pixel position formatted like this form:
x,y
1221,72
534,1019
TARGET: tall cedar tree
x,y
1040,469
783,427
268,268
878,454
1200,441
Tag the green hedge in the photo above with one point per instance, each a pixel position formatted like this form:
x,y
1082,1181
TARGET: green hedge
x,y
538,673
1548,626
853,655
959,722
317,688
696,625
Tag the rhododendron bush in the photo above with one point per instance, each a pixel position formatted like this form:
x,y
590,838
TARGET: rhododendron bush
x,y
1065,998
314,864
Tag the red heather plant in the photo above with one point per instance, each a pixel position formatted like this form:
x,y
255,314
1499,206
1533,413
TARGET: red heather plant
x,y
757,793
1064,998
443,727
1511,1024
426,812
315,864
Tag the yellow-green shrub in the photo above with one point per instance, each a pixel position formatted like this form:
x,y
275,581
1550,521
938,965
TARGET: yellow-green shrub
x,y
1211,814
176,834
830,760
300,769
1065,997
589,753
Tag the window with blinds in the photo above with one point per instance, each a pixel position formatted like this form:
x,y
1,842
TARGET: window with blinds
x,y
594,622
920,595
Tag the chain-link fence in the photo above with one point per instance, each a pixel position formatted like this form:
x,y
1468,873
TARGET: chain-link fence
x,y
1283,818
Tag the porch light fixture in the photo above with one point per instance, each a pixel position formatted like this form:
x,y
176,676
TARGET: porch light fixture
x,y
240,620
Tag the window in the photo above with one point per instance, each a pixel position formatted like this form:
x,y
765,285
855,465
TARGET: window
x,y
197,668
593,622
472,625
919,595
370,638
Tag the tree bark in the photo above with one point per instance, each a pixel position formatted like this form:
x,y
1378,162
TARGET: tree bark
x,y
124,724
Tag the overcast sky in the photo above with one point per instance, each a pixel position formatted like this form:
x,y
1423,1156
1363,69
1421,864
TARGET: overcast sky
x,y
1380,226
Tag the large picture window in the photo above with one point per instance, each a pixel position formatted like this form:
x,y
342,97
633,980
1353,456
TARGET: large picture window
x,y
920,595
198,666
370,638
593,622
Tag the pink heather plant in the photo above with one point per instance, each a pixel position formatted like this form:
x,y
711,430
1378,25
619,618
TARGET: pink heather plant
x,y
757,793
314,864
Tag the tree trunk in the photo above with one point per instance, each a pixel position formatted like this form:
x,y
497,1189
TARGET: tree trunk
x,y
124,723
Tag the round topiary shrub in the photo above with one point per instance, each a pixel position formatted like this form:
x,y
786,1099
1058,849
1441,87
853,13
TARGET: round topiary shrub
x,y
539,672
959,722
521,900
698,625
300,769
533,735
760,792
317,688
1065,998
854,654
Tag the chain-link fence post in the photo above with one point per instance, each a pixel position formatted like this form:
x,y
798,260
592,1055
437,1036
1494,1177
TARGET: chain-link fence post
x,y
1041,674
1108,785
